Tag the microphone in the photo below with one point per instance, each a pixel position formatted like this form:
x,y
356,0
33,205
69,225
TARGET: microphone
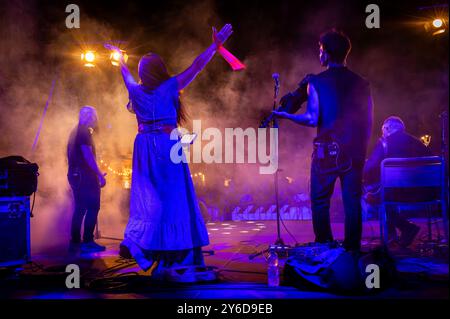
x,y
276,77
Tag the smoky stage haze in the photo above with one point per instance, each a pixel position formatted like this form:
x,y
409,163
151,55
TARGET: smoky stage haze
x,y
407,69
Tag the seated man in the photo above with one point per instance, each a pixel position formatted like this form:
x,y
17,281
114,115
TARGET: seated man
x,y
394,143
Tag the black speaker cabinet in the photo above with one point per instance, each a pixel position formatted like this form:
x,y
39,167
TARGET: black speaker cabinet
x,y
18,176
14,230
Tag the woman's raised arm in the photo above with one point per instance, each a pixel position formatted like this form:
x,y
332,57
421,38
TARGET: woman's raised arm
x,y
126,74
203,59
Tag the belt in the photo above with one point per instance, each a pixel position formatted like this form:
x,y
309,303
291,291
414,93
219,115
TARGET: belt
x,y
144,128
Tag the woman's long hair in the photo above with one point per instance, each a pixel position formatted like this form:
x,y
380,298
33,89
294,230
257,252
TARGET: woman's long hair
x,y
152,73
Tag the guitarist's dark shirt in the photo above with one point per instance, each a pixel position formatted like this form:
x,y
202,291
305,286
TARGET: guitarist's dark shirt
x,y
345,113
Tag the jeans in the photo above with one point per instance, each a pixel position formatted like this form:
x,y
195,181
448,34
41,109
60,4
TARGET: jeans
x,y
322,187
86,193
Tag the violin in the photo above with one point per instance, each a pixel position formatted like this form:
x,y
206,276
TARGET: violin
x,y
291,102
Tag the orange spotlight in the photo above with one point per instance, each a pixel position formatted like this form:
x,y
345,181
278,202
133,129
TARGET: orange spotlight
x,y
126,184
436,26
115,57
440,31
437,23
88,57
426,139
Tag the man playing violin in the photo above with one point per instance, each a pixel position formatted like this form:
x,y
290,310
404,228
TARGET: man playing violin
x,y
339,104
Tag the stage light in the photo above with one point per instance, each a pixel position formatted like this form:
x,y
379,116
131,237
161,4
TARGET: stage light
x,y
434,18
426,139
115,57
440,31
226,183
88,57
436,26
437,23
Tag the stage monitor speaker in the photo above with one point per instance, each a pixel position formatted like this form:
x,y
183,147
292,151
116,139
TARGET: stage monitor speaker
x,y
14,231
18,176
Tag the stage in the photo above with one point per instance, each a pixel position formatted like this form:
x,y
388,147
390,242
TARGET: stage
x,y
107,276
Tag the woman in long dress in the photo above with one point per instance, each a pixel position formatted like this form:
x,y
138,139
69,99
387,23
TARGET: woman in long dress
x,y
165,223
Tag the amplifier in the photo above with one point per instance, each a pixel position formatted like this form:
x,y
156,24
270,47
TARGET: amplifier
x,y
14,230
18,176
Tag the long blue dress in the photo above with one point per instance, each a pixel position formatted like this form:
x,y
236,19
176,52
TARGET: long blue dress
x,y
165,218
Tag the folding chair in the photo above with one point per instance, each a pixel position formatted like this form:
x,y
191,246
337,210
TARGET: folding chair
x,y
401,177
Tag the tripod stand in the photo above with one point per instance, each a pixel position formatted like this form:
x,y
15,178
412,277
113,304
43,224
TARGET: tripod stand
x,y
439,246
279,246
444,154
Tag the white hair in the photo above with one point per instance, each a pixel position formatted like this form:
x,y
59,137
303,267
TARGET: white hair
x,y
395,122
87,115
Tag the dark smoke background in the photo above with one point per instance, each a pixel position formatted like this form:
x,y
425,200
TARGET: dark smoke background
x,y
407,67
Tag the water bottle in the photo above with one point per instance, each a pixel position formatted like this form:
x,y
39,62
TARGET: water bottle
x,y
273,275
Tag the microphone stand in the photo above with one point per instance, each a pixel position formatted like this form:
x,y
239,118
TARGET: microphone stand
x,y
279,246
275,125
439,247
444,157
